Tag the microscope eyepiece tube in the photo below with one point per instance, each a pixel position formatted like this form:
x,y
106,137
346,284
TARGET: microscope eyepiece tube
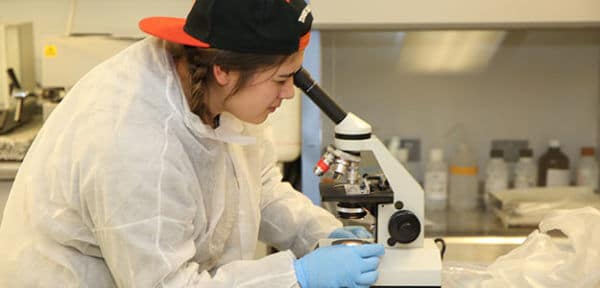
x,y
303,81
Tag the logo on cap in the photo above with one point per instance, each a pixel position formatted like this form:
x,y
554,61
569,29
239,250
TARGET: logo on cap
x,y
304,13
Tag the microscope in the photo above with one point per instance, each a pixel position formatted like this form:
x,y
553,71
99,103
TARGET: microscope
x,y
394,198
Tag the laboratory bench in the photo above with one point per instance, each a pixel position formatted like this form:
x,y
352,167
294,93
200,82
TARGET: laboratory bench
x,y
473,236
474,222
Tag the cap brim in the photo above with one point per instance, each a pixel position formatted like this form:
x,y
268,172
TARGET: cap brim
x,y
304,40
170,29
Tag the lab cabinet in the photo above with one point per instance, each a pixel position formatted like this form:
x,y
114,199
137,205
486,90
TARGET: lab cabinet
x,y
477,85
532,85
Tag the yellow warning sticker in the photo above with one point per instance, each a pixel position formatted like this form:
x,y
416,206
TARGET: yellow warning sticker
x,y
50,51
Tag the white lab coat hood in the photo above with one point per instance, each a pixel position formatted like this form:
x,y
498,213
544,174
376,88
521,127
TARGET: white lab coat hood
x,y
125,187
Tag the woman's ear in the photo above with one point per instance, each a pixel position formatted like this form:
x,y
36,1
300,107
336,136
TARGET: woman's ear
x,y
222,76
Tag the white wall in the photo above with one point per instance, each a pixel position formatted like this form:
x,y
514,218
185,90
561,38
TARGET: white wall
x,y
119,17
539,85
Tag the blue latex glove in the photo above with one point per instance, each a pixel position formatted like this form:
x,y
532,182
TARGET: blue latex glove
x,y
355,232
339,266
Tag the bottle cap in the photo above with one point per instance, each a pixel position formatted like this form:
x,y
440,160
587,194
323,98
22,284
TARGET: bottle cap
x,y
436,155
588,151
527,152
497,153
554,143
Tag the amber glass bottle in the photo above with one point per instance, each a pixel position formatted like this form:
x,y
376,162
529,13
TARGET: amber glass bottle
x,y
553,167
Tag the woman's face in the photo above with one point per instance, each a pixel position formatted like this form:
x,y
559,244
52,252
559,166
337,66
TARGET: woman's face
x,y
264,92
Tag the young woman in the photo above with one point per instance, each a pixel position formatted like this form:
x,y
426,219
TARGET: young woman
x,y
155,170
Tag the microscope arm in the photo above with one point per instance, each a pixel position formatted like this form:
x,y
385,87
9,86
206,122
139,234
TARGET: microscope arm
x,y
408,197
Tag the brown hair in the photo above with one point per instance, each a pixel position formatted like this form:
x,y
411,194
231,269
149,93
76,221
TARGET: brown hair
x,y
200,62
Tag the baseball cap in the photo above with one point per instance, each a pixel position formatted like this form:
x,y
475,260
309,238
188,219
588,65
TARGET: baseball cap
x,y
247,26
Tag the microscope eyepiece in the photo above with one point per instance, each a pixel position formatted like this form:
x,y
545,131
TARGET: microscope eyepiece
x,y
304,81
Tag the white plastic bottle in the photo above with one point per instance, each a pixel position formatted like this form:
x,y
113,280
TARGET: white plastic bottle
x,y
525,170
394,145
402,156
587,169
436,181
464,187
496,175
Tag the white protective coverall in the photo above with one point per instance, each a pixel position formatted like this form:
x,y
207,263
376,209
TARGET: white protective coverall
x,y
125,187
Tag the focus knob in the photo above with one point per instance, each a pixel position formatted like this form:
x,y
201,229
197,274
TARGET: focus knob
x,y
404,227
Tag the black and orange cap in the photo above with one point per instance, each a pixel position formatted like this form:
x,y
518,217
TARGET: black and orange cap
x,y
247,26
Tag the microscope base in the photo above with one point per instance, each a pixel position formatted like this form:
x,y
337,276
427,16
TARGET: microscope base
x,y
408,267
412,267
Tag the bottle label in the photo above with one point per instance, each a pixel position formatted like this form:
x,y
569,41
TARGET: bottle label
x,y
525,176
436,185
587,178
524,181
498,183
465,171
557,177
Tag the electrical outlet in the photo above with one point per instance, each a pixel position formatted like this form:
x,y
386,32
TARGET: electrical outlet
x,y
414,149
510,147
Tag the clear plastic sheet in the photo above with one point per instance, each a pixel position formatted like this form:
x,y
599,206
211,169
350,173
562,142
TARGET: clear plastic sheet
x,y
542,261
527,207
